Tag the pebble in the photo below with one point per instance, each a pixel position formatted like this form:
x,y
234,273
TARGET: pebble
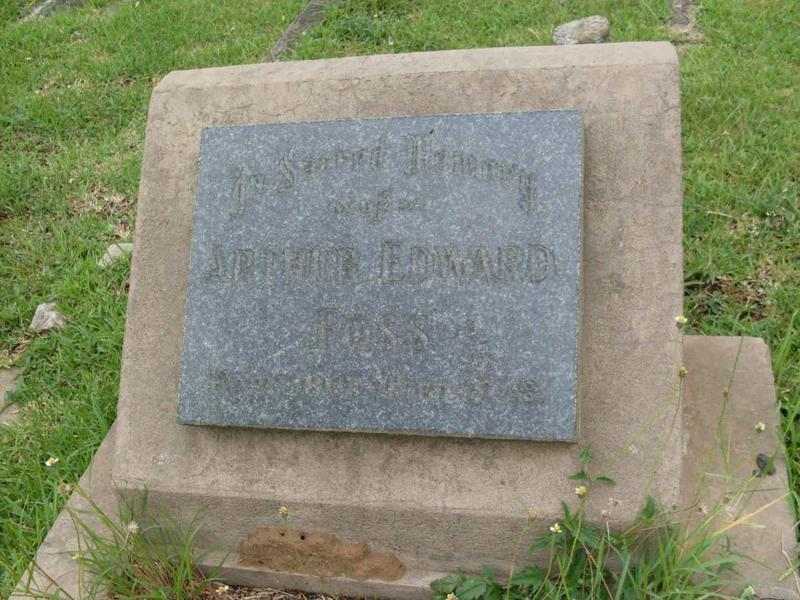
x,y
590,30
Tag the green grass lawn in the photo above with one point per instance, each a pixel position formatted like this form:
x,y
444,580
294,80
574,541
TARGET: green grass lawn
x,y
74,90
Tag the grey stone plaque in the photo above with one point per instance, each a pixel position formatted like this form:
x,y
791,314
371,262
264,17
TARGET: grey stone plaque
x,y
408,275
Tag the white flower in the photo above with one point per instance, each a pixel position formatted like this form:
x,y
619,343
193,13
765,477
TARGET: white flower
x,y
761,427
581,491
51,461
223,588
451,596
555,528
132,527
283,511
680,320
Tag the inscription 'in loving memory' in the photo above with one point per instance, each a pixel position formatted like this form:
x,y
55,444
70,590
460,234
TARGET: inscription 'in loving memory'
x,y
420,156
397,262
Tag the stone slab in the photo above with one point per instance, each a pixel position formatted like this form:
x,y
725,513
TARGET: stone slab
x,y
435,503
412,275
765,539
722,443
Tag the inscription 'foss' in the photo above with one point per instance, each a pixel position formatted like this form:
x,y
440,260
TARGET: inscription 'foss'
x,y
406,275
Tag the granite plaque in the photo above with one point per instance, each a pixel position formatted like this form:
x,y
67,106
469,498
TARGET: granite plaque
x,y
405,275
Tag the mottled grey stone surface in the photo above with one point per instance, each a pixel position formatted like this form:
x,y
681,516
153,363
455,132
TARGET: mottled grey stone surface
x,y
417,275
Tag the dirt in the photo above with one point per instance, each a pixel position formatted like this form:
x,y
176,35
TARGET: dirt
x,y
321,554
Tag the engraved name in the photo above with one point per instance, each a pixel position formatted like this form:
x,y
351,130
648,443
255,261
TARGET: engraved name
x,y
501,264
366,332
397,261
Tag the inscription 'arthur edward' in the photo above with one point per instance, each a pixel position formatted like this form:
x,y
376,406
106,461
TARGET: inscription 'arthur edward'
x,y
398,262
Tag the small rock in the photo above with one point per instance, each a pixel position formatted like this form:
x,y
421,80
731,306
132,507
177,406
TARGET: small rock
x,y
590,30
47,317
114,252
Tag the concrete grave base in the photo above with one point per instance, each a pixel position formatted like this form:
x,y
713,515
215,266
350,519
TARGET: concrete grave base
x,y
380,514
719,458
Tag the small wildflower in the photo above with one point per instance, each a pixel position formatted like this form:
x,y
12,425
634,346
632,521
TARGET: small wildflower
x,y
555,528
223,588
76,556
680,321
581,491
283,511
65,489
761,427
451,596
604,513
682,372
133,528
52,461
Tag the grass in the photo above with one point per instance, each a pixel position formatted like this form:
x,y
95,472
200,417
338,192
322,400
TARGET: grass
x,y
742,176
74,90
654,558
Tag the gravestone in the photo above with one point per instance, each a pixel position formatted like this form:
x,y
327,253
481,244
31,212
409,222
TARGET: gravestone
x,y
254,431
334,257
415,275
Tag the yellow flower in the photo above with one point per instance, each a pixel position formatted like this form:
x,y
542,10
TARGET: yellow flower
x,y
581,491
682,372
51,461
452,596
680,321
761,427
283,511
555,528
